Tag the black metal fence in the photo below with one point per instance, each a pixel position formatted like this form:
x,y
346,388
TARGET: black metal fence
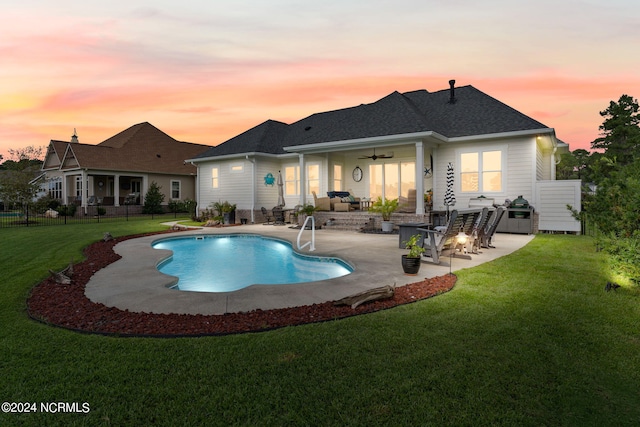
x,y
30,216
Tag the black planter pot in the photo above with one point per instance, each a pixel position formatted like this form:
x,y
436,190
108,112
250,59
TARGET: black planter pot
x,y
411,266
229,217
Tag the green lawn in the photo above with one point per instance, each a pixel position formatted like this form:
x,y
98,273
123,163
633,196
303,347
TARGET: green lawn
x,y
530,339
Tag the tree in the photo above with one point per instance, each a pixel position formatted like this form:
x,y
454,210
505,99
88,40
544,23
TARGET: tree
x,y
620,131
23,158
16,180
153,200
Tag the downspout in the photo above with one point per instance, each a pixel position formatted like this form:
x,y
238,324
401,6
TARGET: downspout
x,y
197,183
419,178
253,188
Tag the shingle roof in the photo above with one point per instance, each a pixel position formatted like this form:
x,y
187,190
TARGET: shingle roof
x,y
473,113
140,148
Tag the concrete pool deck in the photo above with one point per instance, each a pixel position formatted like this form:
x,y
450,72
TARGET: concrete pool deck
x,y
134,283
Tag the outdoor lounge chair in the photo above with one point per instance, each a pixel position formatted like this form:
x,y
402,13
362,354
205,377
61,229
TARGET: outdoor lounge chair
x,y
435,241
468,219
478,230
321,203
492,226
267,216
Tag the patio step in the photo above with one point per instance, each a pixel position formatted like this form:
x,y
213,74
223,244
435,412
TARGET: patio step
x,y
357,220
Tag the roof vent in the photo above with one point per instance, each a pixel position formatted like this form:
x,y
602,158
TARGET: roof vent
x,y
452,92
307,128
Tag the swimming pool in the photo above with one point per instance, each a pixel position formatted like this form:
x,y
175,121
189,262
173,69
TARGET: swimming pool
x,y
224,263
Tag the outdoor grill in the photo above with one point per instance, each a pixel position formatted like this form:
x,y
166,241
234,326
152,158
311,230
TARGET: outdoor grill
x,y
520,202
518,218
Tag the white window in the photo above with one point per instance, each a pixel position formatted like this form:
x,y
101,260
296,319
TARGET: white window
x,y
292,180
313,178
55,188
215,177
79,187
481,171
237,167
337,177
175,190
392,179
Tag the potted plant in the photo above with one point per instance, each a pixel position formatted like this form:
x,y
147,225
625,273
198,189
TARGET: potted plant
x,y
411,261
303,212
385,207
225,210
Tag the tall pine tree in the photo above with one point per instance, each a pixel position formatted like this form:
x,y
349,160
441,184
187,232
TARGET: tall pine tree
x,y
620,131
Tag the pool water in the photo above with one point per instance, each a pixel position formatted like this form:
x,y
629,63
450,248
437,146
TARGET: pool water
x,y
231,262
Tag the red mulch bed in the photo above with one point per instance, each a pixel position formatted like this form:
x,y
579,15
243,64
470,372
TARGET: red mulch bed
x,y
67,306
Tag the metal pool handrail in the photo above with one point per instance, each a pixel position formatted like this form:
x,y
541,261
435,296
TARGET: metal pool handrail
x,y
312,242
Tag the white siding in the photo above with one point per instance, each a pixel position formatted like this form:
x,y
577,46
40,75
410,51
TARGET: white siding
x,y
234,187
551,203
519,163
267,195
520,173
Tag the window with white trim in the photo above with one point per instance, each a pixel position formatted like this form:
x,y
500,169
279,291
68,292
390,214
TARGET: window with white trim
x,y
337,177
313,178
55,188
292,180
79,187
391,180
237,167
175,190
481,171
215,177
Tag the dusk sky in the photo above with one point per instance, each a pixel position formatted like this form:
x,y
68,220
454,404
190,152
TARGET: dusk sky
x,y
205,71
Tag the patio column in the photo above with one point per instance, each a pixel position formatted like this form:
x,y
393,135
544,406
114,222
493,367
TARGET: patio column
x,y
116,190
419,178
65,189
303,181
85,190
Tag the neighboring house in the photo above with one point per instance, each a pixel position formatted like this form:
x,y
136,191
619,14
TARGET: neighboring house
x,y
119,170
497,152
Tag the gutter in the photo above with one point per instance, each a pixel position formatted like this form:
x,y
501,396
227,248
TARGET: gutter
x,y
502,135
238,156
350,144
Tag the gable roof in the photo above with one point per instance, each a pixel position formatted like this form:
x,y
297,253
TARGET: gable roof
x,y
473,113
54,155
140,148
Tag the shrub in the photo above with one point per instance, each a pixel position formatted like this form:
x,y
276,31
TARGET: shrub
x,y
67,210
153,200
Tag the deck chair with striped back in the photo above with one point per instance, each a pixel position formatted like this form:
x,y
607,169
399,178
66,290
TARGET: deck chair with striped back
x,y
435,241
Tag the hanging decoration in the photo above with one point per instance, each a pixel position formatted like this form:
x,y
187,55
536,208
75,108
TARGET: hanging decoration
x,y
269,179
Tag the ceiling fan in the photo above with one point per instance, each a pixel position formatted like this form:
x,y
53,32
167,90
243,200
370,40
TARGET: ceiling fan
x,y
374,157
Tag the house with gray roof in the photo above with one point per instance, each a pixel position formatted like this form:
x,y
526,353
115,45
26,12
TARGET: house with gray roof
x,y
397,145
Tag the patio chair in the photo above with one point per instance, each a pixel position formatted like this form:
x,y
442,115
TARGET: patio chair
x,y
468,219
267,216
278,215
492,226
436,241
478,229
321,203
